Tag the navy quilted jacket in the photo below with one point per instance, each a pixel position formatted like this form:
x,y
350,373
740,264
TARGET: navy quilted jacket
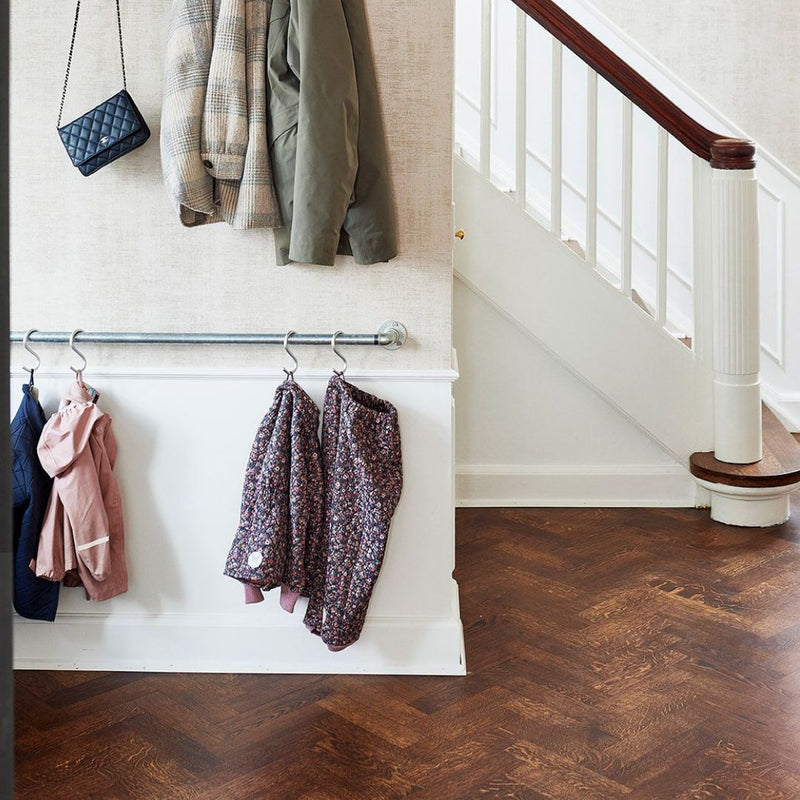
x,y
35,598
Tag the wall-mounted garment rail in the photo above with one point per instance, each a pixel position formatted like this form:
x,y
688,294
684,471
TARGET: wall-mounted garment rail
x,y
391,335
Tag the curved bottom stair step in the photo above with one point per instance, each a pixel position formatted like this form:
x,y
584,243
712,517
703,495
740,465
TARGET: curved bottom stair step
x,y
753,495
780,465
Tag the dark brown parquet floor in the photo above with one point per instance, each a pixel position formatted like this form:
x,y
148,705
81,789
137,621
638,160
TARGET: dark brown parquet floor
x,y
612,653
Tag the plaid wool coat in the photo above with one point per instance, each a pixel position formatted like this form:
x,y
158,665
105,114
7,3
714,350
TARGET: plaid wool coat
x,y
214,150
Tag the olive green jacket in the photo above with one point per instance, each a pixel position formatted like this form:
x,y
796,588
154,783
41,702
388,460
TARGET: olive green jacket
x,y
326,138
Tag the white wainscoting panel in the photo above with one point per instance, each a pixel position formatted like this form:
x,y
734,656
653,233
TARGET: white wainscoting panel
x,y
184,440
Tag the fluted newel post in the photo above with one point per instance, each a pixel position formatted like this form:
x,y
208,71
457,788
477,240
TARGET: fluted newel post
x,y
736,333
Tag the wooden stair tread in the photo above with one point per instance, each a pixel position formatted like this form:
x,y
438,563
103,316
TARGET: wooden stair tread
x,y
780,465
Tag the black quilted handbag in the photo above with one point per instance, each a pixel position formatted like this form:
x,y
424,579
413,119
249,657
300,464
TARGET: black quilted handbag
x,y
109,130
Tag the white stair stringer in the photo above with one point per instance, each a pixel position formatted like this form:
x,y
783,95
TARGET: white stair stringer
x,y
582,320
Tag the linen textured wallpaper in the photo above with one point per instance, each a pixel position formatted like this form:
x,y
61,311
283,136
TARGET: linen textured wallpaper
x,y
107,252
740,56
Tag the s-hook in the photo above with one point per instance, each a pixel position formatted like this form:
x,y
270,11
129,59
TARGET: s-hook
x,y
77,370
342,371
289,373
27,346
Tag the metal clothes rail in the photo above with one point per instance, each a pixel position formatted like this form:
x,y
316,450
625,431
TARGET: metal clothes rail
x,y
391,335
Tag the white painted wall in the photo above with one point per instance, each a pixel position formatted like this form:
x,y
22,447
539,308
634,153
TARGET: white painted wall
x,y
570,394
530,432
107,253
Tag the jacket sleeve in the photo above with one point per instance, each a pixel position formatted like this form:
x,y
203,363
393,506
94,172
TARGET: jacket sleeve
x,y
49,560
320,54
225,131
85,510
188,58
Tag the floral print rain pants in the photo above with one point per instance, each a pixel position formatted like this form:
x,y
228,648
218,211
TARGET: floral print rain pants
x,y
316,521
363,480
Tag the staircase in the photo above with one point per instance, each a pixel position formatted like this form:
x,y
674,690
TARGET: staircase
x,y
651,299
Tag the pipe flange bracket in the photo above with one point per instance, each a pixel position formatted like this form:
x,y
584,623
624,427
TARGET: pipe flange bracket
x,y
392,335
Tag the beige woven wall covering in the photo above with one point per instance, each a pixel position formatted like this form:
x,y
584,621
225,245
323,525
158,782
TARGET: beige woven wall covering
x,y
107,252
740,56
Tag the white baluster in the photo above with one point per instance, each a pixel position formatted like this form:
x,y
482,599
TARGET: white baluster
x,y
521,110
661,237
591,168
486,89
702,302
702,290
556,145
627,195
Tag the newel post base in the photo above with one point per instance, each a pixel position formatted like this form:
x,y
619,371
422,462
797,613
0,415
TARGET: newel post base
x,y
749,507
736,331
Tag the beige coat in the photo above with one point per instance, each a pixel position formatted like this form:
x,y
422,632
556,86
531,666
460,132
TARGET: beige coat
x,y
82,540
214,151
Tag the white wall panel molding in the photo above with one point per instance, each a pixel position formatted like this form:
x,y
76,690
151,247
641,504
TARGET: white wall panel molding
x,y
184,441
574,485
772,225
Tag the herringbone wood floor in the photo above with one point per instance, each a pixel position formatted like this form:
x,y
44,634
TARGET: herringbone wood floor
x,y
639,654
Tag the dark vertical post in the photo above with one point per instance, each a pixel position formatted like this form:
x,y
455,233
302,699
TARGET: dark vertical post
x,y
6,675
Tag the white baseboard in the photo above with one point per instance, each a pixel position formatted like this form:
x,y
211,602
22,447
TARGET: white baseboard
x,y
247,642
553,485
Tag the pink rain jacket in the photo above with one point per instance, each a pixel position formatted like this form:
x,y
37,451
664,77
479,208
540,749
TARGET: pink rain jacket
x,y
82,539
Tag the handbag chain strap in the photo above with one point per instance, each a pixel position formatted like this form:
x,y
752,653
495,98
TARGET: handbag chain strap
x,y
72,48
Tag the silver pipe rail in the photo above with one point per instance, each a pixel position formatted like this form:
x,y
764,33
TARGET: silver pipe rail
x,y
391,336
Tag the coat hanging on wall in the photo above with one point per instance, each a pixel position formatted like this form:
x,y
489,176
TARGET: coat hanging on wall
x,y
326,132
34,598
304,154
280,529
82,540
214,154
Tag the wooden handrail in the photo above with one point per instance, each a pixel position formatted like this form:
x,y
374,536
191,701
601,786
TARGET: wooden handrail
x,y
721,152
